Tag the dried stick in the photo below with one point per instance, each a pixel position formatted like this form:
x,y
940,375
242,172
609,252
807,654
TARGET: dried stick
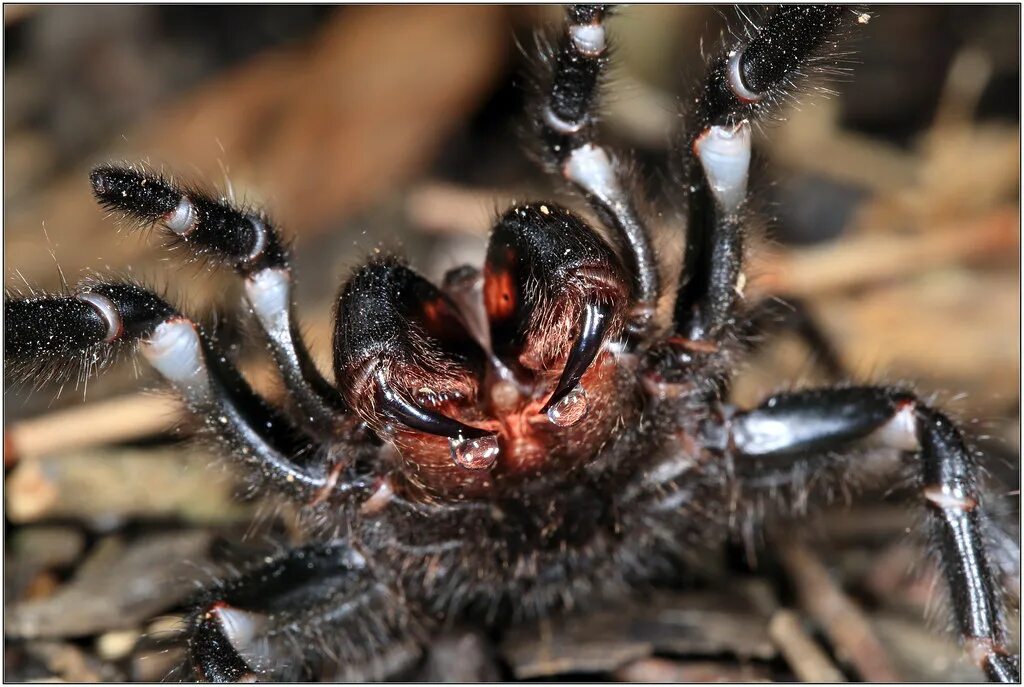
x,y
846,626
870,258
123,418
804,656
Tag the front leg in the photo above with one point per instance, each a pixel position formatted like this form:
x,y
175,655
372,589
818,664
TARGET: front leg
x,y
217,231
283,618
107,318
814,423
745,83
565,114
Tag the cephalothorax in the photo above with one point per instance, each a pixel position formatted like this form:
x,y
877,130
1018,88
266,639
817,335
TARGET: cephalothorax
x,y
543,432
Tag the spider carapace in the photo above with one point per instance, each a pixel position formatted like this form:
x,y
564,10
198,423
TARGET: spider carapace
x,y
547,431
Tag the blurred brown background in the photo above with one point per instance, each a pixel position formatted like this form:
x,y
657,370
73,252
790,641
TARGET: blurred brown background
x,y
893,210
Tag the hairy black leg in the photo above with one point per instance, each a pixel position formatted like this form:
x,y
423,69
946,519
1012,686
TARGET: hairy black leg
x,y
773,315
103,317
565,122
280,618
248,242
554,294
814,423
56,326
742,85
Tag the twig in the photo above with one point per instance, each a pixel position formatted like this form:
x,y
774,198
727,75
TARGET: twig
x,y
132,416
845,625
806,658
870,258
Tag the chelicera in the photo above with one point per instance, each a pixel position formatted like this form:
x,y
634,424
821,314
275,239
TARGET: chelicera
x,y
546,431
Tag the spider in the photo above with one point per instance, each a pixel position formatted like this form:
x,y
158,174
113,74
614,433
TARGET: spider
x,y
544,432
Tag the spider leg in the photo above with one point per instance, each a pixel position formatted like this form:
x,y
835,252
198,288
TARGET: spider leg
x,y
249,243
742,86
106,317
816,422
565,123
777,315
280,618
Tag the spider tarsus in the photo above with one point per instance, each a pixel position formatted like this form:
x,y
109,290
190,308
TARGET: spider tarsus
x,y
791,35
144,197
50,326
209,228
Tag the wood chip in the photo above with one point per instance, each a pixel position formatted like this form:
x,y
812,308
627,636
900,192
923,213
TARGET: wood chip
x,y
46,547
460,657
31,556
663,670
68,663
113,646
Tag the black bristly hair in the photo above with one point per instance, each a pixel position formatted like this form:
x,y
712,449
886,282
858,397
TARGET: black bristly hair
x,y
210,229
746,83
72,336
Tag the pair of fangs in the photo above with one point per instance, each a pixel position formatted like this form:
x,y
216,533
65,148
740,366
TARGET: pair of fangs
x,y
481,452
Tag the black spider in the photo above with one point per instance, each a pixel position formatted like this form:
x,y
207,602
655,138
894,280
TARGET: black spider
x,y
543,433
